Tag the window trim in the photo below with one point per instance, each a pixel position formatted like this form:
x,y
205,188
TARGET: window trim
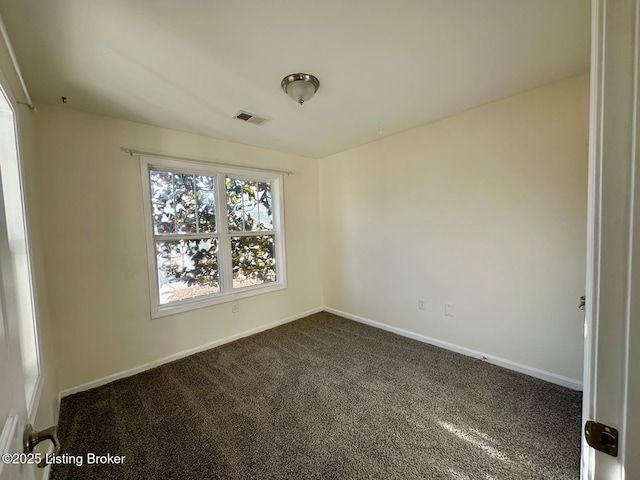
x,y
224,251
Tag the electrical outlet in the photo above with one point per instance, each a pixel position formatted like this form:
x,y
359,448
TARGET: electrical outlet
x,y
421,304
448,310
235,308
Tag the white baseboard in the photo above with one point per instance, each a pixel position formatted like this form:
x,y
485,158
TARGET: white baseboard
x,y
518,367
185,353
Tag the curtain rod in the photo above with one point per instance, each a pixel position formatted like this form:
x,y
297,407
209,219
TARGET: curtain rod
x,y
133,151
14,60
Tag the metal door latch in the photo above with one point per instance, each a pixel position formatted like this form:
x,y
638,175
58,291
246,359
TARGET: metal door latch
x,y
33,437
601,437
583,302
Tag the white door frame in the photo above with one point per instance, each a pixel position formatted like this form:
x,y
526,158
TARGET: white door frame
x,y
613,234
24,406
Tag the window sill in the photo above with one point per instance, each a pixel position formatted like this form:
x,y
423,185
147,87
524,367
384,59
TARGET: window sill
x,y
216,299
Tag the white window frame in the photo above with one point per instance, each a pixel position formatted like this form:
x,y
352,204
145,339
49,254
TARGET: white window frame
x,y
225,274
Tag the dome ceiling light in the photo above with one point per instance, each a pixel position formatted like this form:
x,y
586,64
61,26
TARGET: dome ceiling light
x,y
300,86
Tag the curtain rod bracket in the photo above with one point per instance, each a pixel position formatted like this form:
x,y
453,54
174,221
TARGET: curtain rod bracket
x,y
31,107
16,66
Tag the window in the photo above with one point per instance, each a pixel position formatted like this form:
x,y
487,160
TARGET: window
x,y
215,234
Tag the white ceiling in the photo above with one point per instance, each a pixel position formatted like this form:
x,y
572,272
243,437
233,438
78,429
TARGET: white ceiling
x,y
191,65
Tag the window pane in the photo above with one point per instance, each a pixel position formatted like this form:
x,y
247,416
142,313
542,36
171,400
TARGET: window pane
x,y
249,205
162,202
234,204
185,199
264,204
206,201
253,259
187,268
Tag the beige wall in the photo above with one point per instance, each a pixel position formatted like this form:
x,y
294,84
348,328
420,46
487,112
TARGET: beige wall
x,y
93,231
485,210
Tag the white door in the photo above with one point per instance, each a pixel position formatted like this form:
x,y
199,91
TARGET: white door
x,y
612,325
13,403
20,378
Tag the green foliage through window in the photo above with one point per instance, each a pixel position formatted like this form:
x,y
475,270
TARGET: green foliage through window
x,y
187,235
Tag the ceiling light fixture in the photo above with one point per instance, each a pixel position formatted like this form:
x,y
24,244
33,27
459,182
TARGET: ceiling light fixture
x,y
300,86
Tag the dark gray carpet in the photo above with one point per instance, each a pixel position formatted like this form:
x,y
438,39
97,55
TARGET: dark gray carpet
x,y
325,397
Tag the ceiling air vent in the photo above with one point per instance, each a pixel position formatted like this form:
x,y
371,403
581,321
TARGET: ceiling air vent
x,y
251,118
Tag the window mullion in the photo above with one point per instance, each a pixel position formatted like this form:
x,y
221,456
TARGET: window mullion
x,y
224,242
184,236
254,233
196,203
175,203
